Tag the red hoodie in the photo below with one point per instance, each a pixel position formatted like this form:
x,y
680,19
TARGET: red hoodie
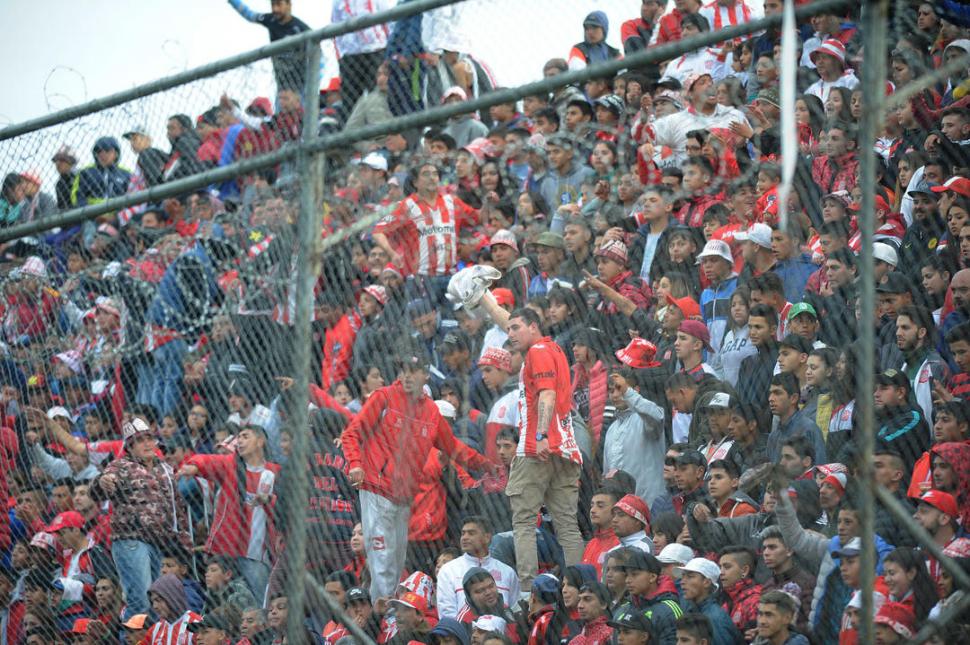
x,y
391,438
595,552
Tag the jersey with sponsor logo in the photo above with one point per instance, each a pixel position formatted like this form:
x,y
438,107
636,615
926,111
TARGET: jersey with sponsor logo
x,y
427,234
545,368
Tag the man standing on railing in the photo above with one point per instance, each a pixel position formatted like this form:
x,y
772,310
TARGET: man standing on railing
x,y
289,67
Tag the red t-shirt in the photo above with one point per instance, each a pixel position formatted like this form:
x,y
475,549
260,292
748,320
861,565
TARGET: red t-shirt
x,y
546,368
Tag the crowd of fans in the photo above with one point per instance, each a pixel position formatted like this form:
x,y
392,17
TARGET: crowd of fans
x,y
577,385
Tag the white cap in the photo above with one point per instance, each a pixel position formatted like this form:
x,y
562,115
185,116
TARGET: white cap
x,y
716,248
34,266
759,233
58,411
489,623
374,161
704,567
136,427
446,409
886,253
454,90
675,553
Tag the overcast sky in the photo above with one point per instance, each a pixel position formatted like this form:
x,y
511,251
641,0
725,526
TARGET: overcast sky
x,y
59,53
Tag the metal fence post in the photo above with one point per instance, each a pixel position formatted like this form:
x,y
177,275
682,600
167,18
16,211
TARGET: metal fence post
x,y
875,15
308,265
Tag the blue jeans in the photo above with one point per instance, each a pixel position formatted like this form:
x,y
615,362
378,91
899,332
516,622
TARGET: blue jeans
x,y
256,575
138,564
167,376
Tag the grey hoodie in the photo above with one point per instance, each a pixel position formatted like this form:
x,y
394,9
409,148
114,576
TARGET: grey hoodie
x,y
566,188
170,588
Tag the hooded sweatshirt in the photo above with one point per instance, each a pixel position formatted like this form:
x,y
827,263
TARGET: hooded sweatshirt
x,y
451,589
169,588
585,53
97,183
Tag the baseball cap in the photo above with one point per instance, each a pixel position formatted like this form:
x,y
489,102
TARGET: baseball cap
x,y
926,188
669,95
627,617
138,129
546,583
691,458
44,540
454,90
959,185
639,354
769,95
81,625
698,330
506,237
134,428
850,550
357,594
687,305
759,233
635,507
899,617
66,520
58,412
717,249
796,342
886,253
892,377
895,283
802,308
841,196
675,553
377,292
704,567
489,623
943,502
455,340
722,401
550,239
138,621
412,600
374,161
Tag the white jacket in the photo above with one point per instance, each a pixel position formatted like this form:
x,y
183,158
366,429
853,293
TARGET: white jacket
x,y
671,130
451,593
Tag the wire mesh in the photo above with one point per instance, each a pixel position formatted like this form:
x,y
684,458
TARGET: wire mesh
x,y
148,378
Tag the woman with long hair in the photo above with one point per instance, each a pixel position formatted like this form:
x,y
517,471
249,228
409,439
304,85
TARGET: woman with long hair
x,y
573,580
735,347
906,577
11,198
565,317
809,119
819,372
908,164
838,105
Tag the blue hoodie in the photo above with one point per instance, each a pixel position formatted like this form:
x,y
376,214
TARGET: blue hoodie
x,y
97,183
599,52
451,627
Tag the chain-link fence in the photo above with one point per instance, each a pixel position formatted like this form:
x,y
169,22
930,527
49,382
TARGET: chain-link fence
x,y
221,332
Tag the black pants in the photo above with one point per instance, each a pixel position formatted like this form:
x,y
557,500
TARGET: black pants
x,y
357,74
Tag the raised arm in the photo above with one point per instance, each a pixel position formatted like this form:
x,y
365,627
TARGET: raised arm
x,y
244,11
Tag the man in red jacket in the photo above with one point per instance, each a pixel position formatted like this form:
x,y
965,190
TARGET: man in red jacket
x,y
242,526
387,445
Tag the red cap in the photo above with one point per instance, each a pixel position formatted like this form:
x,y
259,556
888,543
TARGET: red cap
x,y
66,520
81,626
392,269
261,103
504,297
412,600
503,236
959,185
837,481
496,357
943,502
636,508
698,330
638,354
687,305
899,617
377,292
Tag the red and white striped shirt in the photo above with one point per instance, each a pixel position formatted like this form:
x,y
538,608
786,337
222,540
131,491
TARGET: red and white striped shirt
x,y
427,234
720,16
177,633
